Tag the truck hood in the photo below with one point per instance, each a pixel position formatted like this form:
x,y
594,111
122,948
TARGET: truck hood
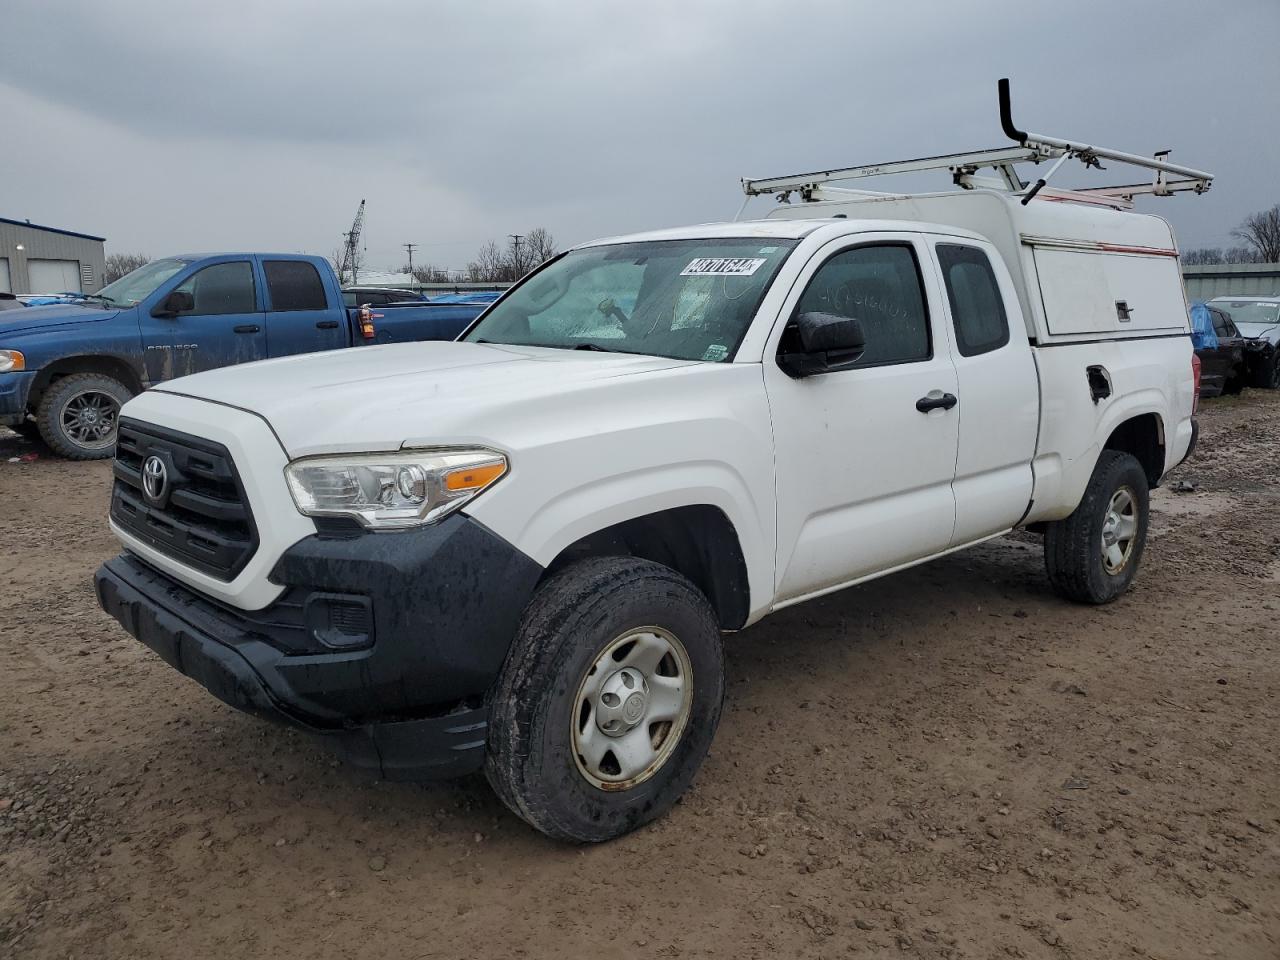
x,y
413,394
43,318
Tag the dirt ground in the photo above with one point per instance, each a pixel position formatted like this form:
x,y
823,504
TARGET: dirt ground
x,y
950,762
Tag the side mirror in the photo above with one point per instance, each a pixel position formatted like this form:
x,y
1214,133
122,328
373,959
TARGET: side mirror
x,y
175,303
822,343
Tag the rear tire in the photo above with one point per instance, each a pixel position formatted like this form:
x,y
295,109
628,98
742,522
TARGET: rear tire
x,y
1234,384
78,414
599,628
1092,556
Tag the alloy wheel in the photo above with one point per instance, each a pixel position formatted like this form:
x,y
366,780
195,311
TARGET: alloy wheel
x,y
89,419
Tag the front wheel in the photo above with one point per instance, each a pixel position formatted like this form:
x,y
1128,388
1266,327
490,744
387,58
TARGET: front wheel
x,y
1268,376
77,415
1092,556
608,701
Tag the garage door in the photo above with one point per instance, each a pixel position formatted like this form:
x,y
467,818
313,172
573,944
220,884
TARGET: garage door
x,y
5,286
53,276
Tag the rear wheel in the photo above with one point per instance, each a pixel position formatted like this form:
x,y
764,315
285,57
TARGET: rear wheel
x,y
1092,556
608,701
77,415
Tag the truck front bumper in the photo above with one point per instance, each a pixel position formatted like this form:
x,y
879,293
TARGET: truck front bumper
x,y
398,686
14,389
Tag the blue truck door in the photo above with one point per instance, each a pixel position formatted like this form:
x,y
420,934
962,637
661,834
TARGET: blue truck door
x,y
224,327
299,316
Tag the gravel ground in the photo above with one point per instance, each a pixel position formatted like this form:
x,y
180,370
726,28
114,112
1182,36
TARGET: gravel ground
x,y
946,763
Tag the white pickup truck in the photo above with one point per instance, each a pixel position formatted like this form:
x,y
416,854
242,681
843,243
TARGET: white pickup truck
x,y
519,552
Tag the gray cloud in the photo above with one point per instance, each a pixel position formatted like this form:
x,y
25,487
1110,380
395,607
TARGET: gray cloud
x,y
169,126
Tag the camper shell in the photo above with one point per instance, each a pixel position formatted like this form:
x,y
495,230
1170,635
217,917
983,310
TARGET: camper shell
x,y
1082,272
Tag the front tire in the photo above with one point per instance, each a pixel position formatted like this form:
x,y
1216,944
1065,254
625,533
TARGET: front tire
x,y
78,414
608,701
1092,556
27,430
1268,377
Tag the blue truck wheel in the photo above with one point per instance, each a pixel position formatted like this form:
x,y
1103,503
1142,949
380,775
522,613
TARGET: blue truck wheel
x,y
78,414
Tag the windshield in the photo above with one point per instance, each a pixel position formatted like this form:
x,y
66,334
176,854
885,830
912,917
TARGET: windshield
x,y
1250,311
684,299
140,284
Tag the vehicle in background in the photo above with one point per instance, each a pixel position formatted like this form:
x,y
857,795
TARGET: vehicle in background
x,y
377,296
67,368
9,302
45,299
526,561
1220,348
380,296
485,296
1258,319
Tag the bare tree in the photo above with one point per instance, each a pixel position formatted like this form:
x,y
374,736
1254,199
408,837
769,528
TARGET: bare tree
x,y
335,259
1201,255
425,273
515,261
1239,255
118,264
1211,255
488,265
1261,233
493,264
541,246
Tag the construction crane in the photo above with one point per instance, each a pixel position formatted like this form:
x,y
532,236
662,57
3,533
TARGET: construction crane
x,y
351,248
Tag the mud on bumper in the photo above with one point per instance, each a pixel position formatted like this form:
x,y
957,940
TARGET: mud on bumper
x,y
407,702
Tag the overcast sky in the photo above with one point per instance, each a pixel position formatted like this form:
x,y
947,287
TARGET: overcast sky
x,y
173,127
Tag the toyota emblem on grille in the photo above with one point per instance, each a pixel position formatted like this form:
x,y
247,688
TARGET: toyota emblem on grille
x,y
155,479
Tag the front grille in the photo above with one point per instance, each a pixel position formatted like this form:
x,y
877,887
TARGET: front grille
x,y
203,519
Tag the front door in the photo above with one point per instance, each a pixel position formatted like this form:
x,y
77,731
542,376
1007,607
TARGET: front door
x,y
865,457
224,326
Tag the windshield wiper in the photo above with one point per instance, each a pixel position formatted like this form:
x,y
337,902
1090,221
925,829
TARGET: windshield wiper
x,y
97,296
596,347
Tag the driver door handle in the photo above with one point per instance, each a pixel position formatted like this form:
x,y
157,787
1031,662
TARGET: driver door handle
x,y
247,328
944,402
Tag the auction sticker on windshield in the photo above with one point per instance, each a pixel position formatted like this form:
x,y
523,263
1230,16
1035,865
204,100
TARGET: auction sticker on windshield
x,y
723,267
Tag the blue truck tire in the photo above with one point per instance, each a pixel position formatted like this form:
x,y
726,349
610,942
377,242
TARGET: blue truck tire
x,y
78,414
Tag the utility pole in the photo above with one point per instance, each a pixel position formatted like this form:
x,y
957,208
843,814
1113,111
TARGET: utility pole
x,y
409,247
515,255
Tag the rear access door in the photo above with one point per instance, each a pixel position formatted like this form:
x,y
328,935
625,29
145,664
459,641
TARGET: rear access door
x,y
299,317
998,388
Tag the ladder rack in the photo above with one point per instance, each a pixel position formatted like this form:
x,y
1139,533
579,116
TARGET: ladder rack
x,y
1033,148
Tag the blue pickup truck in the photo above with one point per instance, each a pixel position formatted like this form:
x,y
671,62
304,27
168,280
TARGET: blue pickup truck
x,y
66,369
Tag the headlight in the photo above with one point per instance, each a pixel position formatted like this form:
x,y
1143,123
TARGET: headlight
x,y
11,360
393,490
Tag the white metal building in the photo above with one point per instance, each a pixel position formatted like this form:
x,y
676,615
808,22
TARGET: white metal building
x,y
36,259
